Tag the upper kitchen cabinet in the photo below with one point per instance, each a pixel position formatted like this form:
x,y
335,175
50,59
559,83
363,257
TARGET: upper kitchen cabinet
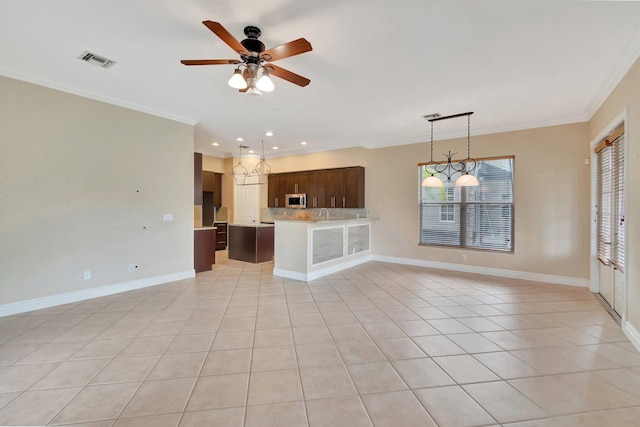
x,y
212,183
325,188
298,183
278,186
217,189
207,181
271,190
353,196
197,179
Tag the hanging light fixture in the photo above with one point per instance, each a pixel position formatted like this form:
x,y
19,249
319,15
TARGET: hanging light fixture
x,y
262,169
463,167
256,176
239,172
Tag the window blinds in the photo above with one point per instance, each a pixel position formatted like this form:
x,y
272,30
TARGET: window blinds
x,y
611,199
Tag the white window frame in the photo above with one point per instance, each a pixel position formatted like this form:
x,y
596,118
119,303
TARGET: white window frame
x,y
459,199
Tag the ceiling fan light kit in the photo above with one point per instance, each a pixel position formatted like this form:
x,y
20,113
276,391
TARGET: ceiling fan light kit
x,y
451,167
264,83
237,81
257,62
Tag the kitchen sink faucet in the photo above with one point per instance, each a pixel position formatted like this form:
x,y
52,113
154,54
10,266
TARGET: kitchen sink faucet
x,y
326,210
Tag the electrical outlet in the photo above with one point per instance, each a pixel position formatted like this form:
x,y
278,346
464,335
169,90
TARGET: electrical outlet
x,y
167,217
87,275
464,258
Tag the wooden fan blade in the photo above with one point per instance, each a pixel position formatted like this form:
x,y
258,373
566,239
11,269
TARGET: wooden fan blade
x,y
286,50
225,36
209,61
288,75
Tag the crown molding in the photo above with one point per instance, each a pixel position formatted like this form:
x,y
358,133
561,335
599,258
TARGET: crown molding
x,y
629,57
96,97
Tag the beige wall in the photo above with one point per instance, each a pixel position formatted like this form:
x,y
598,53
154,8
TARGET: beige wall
x,y
627,95
551,197
79,181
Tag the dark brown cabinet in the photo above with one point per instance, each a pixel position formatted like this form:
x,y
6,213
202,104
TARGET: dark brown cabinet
x,y
204,251
272,188
251,243
221,236
353,195
207,181
212,183
197,179
278,187
325,188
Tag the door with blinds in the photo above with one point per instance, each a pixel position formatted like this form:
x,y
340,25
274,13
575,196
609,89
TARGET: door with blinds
x,y
610,216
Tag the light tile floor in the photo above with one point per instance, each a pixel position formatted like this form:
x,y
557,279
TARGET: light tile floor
x,y
379,344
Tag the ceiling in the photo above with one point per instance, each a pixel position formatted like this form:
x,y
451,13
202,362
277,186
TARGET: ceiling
x,y
377,66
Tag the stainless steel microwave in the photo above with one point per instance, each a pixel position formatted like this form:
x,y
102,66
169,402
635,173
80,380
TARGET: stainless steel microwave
x,y
295,201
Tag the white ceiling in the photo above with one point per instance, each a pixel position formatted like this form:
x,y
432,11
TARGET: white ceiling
x,y
377,66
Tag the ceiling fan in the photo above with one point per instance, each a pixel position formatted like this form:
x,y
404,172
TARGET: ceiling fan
x,y
255,60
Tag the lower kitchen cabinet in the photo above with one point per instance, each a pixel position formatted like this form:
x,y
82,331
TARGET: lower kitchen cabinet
x,y
221,236
204,248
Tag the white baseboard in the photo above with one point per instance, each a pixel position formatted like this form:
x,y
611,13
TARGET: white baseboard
x,y
513,274
316,274
631,333
101,291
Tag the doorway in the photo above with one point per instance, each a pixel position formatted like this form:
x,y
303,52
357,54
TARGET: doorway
x,y
609,177
247,206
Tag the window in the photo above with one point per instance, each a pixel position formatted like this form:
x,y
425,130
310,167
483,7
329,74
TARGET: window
x,y
470,217
447,212
610,209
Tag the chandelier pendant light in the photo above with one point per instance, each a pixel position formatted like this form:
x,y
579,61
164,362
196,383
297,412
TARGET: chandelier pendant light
x,y
436,171
257,176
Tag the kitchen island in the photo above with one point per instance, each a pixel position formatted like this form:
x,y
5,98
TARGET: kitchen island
x,y
251,243
308,249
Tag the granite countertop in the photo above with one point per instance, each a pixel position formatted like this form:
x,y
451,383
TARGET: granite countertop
x,y
205,228
326,220
251,225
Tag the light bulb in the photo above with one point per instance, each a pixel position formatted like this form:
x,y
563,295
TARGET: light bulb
x,y
254,92
264,83
237,81
432,181
466,180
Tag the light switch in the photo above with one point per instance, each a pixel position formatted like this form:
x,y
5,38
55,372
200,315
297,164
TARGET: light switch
x,y
167,217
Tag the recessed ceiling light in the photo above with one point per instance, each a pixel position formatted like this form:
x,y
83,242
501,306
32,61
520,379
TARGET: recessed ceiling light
x,y
215,144
240,139
251,151
275,148
269,133
303,143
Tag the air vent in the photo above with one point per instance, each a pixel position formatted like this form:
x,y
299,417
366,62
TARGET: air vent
x,y
98,60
